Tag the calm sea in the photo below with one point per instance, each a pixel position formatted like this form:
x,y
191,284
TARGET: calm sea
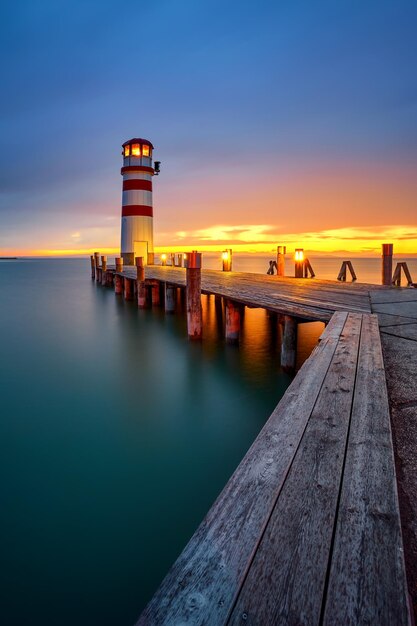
x,y
116,435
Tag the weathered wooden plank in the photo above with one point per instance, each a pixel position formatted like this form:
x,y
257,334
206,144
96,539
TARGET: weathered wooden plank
x,y
367,582
202,584
286,580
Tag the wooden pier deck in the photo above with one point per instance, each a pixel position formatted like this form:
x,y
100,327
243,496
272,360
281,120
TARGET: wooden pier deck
x,y
308,531
305,299
397,315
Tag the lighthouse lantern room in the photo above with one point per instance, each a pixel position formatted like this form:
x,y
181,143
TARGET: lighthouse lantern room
x,y
137,210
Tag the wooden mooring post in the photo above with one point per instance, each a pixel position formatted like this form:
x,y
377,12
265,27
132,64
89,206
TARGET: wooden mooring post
x,y
289,345
170,292
281,251
387,252
97,265
93,267
128,288
194,309
232,321
144,301
156,293
103,269
118,280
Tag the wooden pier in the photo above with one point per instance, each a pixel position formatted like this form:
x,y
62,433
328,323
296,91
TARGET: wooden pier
x,y
307,530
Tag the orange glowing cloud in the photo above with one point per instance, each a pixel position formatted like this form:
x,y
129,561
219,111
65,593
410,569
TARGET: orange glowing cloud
x,y
255,238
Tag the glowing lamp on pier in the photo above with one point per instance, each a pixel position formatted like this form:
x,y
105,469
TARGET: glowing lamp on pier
x,y
164,259
227,260
299,263
137,209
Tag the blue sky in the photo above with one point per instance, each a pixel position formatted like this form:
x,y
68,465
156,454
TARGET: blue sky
x,y
255,110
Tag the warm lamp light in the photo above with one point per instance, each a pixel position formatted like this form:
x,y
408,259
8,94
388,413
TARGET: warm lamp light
x,y
227,260
164,259
299,262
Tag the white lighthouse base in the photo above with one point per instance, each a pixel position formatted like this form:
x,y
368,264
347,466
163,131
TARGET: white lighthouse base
x,y
137,239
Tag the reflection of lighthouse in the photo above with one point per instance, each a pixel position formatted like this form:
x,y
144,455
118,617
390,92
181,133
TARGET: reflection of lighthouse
x,y
137,212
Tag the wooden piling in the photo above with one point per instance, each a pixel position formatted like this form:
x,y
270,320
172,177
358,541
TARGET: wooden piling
x,y
170,297
104,270
156,294
194,309
118,280
97,265
109,279
128,288
289,345
93,267
387,252
144,301
281,251
232,321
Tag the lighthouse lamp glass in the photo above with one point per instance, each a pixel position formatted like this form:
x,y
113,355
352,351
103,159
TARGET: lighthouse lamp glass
x,y
145,151
127,151
135,149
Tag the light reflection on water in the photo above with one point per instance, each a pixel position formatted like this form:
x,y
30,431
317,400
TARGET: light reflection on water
x,y
117,434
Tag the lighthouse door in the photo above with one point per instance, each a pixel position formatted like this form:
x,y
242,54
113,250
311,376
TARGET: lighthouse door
x,y
140,248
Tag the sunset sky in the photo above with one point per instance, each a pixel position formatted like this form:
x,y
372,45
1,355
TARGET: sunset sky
x,y
276,122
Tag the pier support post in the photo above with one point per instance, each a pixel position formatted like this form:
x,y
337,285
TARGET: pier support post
x,y
109,279
103,270
232,322
142,289
118,280
170,297
93,267
156,295
194,309
128,288
387,251
97,265
281,251
289,345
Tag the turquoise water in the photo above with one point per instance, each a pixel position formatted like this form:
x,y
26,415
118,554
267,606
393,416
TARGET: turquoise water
x,y
117,434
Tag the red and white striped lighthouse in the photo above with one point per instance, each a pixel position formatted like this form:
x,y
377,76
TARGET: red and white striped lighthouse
x,y
137,210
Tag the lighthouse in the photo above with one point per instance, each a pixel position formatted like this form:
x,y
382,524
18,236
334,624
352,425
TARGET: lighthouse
x,y
137,210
